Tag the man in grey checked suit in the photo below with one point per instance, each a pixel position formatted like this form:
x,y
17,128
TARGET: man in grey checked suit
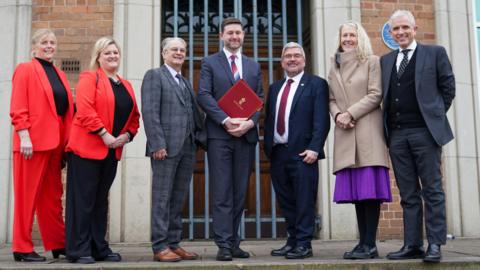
x,y
171,118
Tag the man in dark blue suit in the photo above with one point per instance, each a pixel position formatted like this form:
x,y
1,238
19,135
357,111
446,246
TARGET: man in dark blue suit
x,y
296,127
231,141
418,89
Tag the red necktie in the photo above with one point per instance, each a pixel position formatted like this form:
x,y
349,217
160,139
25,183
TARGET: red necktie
x,y
235,72
282,108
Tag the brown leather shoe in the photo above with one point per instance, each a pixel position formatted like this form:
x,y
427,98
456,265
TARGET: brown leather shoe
x,y
185,254
166,255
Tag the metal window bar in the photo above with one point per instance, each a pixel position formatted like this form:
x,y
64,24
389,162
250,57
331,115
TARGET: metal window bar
x,y
207,178
191,222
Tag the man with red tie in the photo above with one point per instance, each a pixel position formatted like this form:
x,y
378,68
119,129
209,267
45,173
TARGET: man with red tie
x,y
296,127
231,141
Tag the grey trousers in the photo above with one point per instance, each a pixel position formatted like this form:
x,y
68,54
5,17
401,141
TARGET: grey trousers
x,y
170,182
416,160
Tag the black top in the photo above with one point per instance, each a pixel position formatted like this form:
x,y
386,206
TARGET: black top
x,y
123,106
59,91
403,111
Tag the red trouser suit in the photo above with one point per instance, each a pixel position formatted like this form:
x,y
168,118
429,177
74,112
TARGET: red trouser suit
x,y
37,181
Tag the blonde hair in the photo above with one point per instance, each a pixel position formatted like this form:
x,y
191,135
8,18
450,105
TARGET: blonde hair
x,y
38,36
364,47
101,44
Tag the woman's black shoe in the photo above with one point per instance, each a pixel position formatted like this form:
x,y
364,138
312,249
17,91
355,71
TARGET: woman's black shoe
x,y
365,252
57,252
28,257
348,255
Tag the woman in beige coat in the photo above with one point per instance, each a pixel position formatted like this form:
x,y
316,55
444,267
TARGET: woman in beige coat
x,y
360,154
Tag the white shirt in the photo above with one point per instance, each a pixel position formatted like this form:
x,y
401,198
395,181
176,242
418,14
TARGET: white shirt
x,y
238,63
411,47
238,60
174,73
277,139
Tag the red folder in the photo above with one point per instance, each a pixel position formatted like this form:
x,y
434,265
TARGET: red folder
x,y
240,101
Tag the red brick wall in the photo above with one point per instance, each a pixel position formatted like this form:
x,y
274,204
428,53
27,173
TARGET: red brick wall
x,y
374,14
77,25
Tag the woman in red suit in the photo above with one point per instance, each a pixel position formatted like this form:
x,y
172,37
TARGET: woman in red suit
x,y
41,109
107,118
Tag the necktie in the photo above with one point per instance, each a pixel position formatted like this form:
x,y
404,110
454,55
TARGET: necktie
x,y
403,64
235,72
282,108
181,84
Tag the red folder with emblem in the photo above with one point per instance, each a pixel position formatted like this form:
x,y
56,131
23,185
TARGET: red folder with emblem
x,y
240,101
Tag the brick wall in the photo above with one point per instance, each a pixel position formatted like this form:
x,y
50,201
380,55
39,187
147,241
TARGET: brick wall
x,y
374,14
77,25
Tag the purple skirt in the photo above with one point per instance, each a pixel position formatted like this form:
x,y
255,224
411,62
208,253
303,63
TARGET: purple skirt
x,y
356,184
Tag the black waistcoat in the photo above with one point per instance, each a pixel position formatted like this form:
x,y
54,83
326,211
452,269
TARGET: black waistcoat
x,y
403,110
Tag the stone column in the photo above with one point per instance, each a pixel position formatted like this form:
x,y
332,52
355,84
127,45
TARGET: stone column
x,y
136,27
15,32
460,157
338,221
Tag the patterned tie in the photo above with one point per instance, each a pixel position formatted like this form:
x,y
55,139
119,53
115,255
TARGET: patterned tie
x,y
235,72
182,85
282,108
403,64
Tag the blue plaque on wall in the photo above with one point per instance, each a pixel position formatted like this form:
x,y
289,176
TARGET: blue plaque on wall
x,y
387,38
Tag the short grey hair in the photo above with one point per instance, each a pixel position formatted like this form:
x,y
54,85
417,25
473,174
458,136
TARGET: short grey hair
x,y
402,13
290,45
167,42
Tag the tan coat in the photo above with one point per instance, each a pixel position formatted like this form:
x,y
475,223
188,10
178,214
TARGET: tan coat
x,y
356,88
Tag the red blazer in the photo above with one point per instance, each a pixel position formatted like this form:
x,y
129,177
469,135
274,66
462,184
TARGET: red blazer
x,y
95,110
32,107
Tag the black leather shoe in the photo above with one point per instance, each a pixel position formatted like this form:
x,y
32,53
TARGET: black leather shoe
x,y
83,260
240,253
281,251
28,257
348,254
406,253
224,254
57,252
299,253
365,252
112,257
434,254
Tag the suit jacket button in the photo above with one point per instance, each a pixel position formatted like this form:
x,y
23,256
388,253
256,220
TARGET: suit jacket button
x,y
398,84
396,100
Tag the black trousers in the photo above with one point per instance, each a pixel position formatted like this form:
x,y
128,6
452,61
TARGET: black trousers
x,y
416,160
88,184
295,183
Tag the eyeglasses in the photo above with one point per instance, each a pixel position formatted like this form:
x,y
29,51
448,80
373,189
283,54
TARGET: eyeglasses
x,y
175,49
294,56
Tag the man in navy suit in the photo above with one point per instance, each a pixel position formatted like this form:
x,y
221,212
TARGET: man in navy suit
x,y
231,141
296,127
418,88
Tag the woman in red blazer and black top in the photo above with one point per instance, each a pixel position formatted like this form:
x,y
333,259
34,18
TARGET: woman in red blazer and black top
x,y
107,118
41,109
